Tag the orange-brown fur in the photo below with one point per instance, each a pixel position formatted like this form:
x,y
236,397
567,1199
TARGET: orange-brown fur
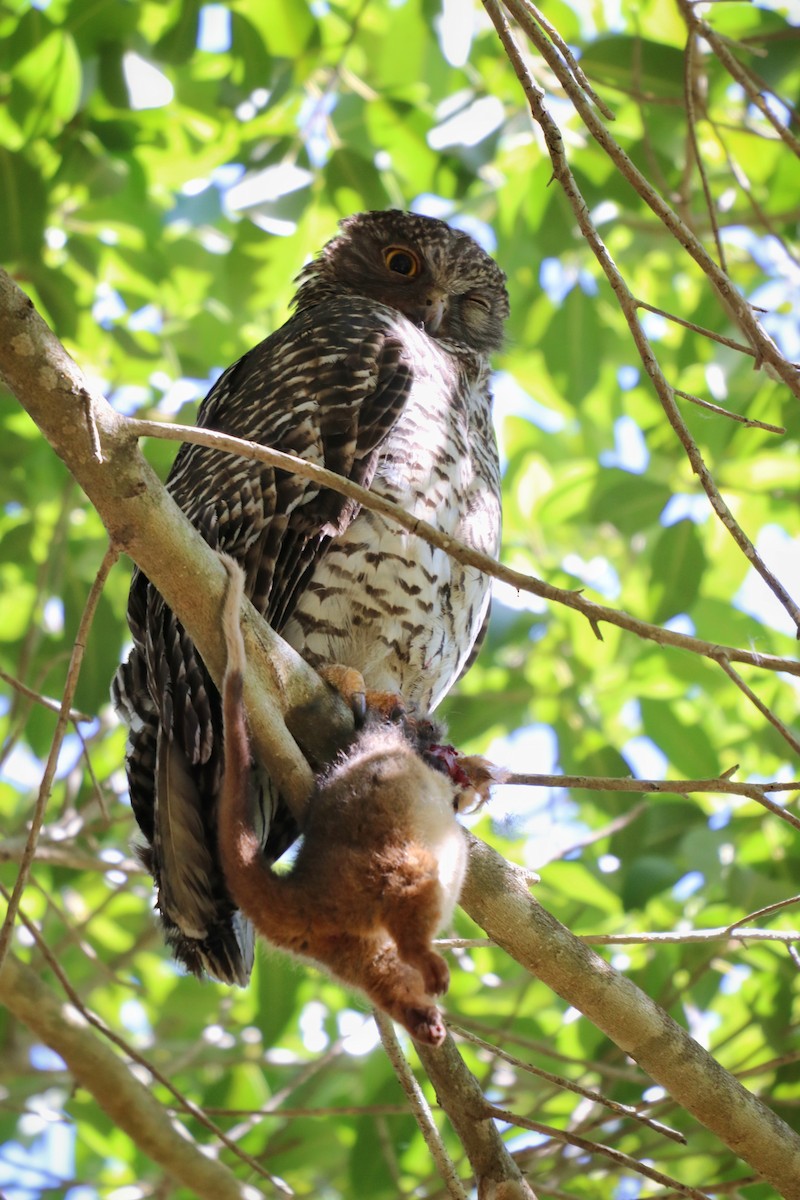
x,y
379,869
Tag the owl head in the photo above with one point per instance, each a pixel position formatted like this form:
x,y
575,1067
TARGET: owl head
x,y
436,276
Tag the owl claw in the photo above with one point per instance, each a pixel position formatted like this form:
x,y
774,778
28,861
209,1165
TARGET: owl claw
x,y
350,685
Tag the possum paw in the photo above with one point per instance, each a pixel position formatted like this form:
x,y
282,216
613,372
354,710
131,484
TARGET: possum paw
x,y
425,1025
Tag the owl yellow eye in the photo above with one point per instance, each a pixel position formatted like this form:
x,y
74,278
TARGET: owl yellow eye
x,y
401,260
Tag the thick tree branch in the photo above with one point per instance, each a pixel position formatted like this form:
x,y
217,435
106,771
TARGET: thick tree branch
x,y
496,896
99,448
95,443
129,1103
497,1175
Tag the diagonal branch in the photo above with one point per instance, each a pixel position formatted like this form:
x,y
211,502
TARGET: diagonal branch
x,y
282,692
107,1077
626,300
46,784
595,613
734,303
497,898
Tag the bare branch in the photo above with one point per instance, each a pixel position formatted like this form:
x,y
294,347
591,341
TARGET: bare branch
x,y
590,1147
690,77
560,1081
419,1107
458,1092
569,58
764,709
626,300
737,71
594,613
129,1103
46,701
688,937
71,683
750,422
709,333
734,304
500,903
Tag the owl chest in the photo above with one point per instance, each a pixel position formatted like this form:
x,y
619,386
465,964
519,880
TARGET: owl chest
x,y
387,602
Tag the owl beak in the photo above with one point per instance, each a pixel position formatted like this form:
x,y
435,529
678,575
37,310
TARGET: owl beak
x,y
431,311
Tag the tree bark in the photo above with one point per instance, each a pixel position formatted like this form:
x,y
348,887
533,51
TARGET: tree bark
x,y
143,520
108,1078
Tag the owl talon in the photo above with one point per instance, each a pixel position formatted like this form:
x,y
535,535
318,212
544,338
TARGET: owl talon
x,y
350,685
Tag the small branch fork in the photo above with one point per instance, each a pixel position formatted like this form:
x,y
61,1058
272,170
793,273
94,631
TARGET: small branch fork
x,y
766,352
595,613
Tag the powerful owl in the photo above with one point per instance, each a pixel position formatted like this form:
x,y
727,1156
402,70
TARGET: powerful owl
x,y
382,375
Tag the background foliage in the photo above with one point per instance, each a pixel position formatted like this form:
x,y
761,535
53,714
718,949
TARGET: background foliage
x,y
165,169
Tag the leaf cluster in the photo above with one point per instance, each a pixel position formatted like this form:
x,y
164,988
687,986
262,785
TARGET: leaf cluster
x,y
160,240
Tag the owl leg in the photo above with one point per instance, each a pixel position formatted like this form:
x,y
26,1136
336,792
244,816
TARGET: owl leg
x,y
374,966
350,685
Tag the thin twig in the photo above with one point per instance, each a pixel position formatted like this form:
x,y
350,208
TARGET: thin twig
x,y
688,937
709,333
626,300
419,1108
740,175
560,1081
598,835
187,1106
737,71
129,1104
765,711
73,672
750,422
617,1156
74,714
59,854
690,64
735,304
764,912
594,613
679,787
569,59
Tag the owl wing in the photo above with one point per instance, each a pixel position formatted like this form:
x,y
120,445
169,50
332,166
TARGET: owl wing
x,y
328,386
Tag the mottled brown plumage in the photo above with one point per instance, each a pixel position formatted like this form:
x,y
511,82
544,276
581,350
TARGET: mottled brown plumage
x,y
382,375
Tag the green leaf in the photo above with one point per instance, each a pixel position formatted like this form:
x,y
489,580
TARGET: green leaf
x,y
630,502
47,78
635,65
179,42
678,565
572,345
688,747
645,878
22,208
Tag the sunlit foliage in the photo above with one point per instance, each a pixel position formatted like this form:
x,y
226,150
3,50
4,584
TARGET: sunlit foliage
x,y
165,170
